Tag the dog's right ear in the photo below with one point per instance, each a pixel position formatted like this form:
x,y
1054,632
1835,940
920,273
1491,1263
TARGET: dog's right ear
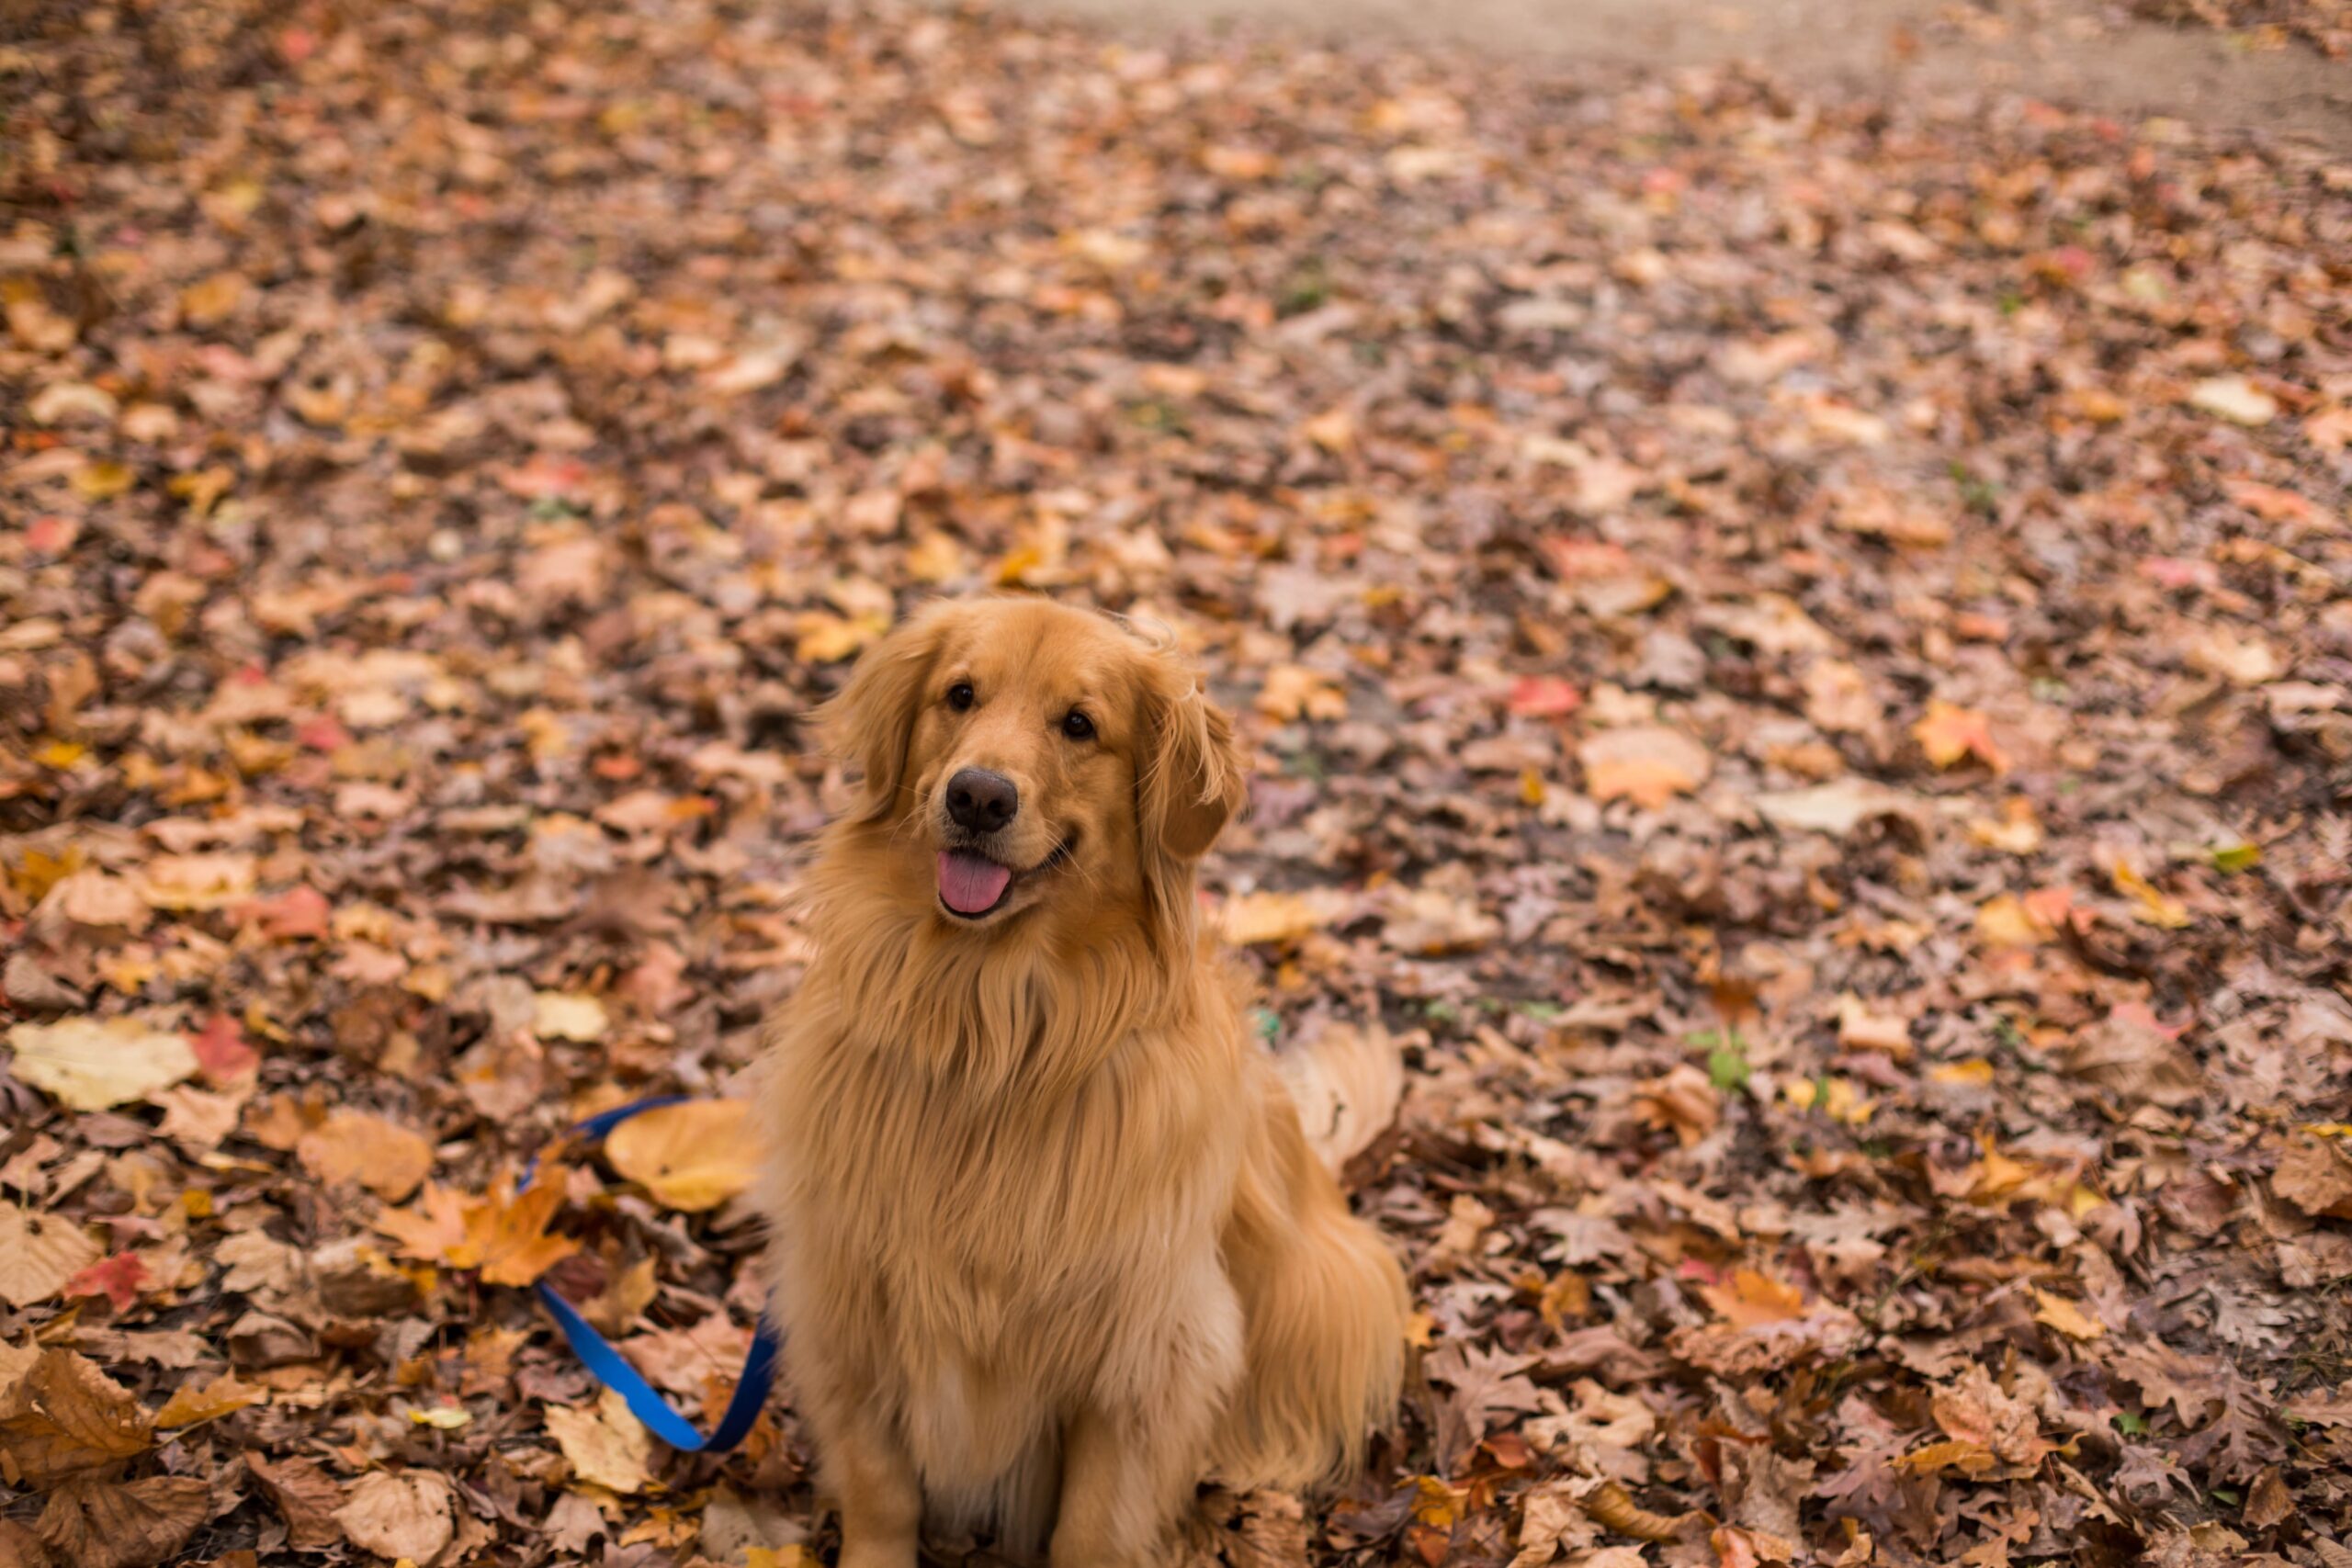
x,y
870,722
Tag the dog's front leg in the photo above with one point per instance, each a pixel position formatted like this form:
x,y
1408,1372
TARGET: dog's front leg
x,y
879,1490
1125,1476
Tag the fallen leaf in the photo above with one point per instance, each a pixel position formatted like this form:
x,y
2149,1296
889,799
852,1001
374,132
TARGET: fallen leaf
x,y
690,1157
1294,691
65,1416
506,1234
1748,1298
1252,917
2235,399
1544,696
383,1157
39,1252
119,1278
399,1514
569,1015
2066,1316
1647,765
1837,807
307,1498
190,1403
607,1446
2314,1174
1950,734
105,1524
89,1065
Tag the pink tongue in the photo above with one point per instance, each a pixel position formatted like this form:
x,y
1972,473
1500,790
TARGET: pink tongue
x,y
970,883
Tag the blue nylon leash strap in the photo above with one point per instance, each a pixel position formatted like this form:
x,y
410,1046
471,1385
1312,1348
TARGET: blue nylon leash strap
x,y
605,1364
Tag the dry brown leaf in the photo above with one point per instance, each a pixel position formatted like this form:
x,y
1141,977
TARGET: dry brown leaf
x,y
307,1498
2315,1175
103,1524
399,1514
65,1416
350,1145
608,1445
690,1157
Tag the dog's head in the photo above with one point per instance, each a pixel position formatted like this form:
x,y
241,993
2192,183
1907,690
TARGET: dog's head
x,y
1024,757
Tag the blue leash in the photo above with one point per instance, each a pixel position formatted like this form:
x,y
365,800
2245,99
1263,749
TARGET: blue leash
x,y
604,1363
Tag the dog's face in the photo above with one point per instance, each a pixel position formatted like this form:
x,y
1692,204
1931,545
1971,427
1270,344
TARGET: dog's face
x,y
1031,757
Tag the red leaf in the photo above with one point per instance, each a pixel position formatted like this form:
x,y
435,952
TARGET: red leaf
x,y
221,1050
1544,696
282,917
117,1279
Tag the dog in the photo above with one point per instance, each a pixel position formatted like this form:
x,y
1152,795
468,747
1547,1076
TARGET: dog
x,y
1049,1246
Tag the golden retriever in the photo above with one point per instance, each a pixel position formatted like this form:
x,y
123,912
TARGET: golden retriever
x,y
1049,1245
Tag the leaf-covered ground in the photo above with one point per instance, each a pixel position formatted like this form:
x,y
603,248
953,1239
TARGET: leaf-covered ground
x,y
1799,658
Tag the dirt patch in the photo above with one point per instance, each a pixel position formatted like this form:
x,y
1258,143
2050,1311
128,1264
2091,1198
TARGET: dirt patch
x,y
2080,55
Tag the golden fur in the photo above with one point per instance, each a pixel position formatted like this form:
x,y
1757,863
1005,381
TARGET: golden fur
x,y
1049,1245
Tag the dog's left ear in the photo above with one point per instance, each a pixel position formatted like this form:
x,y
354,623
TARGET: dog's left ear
x,y
1195,781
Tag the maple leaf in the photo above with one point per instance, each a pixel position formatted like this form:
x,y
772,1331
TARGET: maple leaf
x,y
119,1278
432,1228
1647,765
1486,1384
505,1233
1750,1299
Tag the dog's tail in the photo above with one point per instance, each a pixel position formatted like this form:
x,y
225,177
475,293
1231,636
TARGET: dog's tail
x,y
1324,1307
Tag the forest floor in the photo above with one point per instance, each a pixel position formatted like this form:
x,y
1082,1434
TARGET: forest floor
x,y
1796,641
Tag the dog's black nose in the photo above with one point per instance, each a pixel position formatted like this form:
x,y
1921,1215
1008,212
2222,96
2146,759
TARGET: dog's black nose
x,y
981,801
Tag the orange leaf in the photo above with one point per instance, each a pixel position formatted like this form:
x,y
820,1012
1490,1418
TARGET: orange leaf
x,y
1749,1299
506,1234
1948,734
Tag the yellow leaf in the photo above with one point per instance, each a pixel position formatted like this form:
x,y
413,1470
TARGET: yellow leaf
x,y
60,754
569,1015
2154,909
101,482
211,298
91,1066
1279,916
608,1447
1948,734
1969,1458
823,637
692,1157
2066,1316
1435,1504
935,557
190,1405
2018,832
1975,1072
1295,692
1861,1028
442,1417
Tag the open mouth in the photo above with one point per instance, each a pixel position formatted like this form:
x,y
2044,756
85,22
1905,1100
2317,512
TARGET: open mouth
x,y
972,886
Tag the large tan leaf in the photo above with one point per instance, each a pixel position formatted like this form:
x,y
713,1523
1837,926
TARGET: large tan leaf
x,y
383,1157
607,1446
64,1417
87,1065
1647,765
397,1515
38,1253
691,1156
102,1524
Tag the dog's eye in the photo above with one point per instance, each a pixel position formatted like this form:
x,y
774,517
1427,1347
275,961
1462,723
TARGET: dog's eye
x,y
1077,726
959,695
